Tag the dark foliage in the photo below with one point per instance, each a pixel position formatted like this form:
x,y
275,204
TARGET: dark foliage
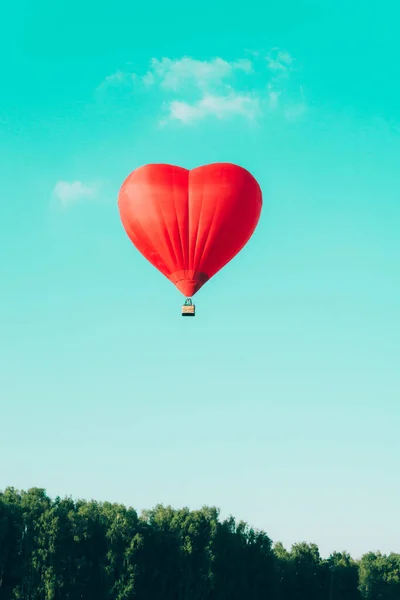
x,y
68,550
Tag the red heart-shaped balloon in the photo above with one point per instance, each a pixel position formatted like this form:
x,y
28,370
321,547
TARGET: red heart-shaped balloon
x,y
189,224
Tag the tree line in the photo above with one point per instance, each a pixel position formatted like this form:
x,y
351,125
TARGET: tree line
x,y
65,549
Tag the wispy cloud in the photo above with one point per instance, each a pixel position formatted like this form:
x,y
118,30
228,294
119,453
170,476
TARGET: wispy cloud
x,y
68,192
222,107
279,61
204,75
208,84
273,95
246,88
283,90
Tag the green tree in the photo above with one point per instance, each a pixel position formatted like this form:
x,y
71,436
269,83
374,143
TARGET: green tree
x,y
343,577
11,532
284,570
380,576
72,550
309,582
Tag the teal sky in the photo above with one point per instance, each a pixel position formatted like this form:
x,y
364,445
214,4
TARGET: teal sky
x,y
279,403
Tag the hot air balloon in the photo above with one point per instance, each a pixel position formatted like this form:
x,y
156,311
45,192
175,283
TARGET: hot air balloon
x,y
189,223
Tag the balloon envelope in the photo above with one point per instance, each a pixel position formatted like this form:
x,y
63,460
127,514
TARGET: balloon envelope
x,y
189,223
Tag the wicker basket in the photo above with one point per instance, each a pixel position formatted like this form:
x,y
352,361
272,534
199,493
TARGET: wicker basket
x,y
188,311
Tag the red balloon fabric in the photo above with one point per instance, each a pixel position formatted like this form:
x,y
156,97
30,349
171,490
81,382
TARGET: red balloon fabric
x,y
190,223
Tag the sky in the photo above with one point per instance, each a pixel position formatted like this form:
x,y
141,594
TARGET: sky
x,y
279,403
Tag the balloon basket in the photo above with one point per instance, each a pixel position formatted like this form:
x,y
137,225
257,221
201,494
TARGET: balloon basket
x,y
188,309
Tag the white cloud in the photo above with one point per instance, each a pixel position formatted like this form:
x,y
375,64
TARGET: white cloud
x,y
208,79
279,61
149,78
68,192
195,89
221,107
273,96
115,78
202,74
116,81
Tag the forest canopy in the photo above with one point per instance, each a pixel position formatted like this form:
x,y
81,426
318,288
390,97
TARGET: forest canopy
x,y
65,549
